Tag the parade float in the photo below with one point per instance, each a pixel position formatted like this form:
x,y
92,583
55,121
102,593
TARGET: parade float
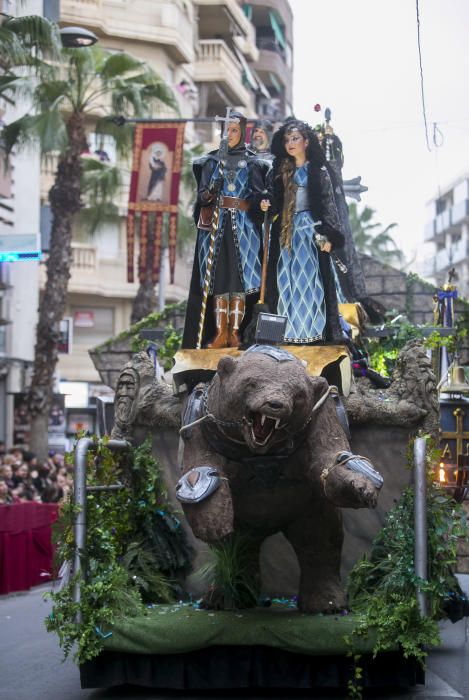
x,y
270,519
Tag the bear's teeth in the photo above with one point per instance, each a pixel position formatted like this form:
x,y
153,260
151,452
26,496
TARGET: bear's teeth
x,y
263,417
277,423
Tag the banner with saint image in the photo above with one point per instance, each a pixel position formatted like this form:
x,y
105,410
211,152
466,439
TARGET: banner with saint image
x,y
154,192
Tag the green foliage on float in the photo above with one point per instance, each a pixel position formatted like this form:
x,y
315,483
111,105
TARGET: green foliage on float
x,y
136,551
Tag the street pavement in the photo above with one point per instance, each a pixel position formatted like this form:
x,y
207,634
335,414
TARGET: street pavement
x,y
31,666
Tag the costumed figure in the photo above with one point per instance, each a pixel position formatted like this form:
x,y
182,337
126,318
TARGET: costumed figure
x,y
261,136
230,187
158,174
301,284
353,283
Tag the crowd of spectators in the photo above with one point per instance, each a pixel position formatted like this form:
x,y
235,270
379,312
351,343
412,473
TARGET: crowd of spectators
x,y
24,478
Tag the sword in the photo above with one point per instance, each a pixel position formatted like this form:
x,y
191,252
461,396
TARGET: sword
x,y
319,240
265,257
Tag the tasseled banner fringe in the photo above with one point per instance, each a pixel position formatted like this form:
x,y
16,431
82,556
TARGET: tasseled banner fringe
x,y
143,248
155,267
130,246
173,220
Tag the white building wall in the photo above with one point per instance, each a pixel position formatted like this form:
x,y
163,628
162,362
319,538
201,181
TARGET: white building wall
x,y
21,300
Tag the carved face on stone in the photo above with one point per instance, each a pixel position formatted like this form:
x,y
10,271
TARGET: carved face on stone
x,y
126,394
270,399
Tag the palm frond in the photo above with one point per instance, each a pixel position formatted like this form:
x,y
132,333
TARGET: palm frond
x,y
136,96
119,64
48,128
100,181
35,32
12,51
14,87
48,92
122,135
92,218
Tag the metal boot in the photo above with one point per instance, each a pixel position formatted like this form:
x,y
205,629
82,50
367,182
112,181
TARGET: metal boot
x,y
221,320
236,315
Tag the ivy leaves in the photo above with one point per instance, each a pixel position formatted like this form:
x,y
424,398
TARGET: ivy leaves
x,y
135,550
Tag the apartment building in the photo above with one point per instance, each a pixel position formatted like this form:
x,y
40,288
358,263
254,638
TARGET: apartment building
x,y
19,286
447,232
212,53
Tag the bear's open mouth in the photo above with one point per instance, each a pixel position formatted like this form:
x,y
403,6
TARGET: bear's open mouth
x,y
262,427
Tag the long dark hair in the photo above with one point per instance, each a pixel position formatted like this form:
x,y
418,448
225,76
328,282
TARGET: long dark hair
x,y
284,168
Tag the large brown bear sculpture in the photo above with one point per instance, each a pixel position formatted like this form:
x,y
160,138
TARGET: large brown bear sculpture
x,y
277,457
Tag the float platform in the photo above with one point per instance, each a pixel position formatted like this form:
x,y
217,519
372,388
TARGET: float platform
x,y
180,647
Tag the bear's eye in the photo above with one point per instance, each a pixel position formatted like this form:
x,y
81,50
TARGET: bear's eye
x,y
300,396
251,384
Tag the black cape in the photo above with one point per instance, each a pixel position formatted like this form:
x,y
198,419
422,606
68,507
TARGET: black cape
x,y
323,208
258,169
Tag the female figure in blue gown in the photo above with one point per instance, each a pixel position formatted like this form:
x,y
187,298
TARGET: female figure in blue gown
x,y
301,284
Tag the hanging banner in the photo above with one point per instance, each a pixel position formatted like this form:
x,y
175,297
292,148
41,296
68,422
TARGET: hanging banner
x,y
154,191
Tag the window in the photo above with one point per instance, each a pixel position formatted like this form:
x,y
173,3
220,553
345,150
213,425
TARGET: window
x,y
92,325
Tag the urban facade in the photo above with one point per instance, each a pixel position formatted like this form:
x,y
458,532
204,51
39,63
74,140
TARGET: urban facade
x,y
447,231
19,280
212,54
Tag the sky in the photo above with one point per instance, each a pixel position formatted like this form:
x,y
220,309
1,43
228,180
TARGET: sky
x,y
360,58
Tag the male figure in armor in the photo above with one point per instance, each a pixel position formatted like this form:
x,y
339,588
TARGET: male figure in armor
x,y
261,136
236,271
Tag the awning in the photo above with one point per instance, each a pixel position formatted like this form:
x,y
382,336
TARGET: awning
x,y
261,87
277,29
247,9
247,74
276,82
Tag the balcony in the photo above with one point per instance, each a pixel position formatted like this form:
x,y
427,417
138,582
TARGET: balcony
x,y
83,257
225,18
460,212
443,221
215,63
429,231
445,258
157,22
282,9
458,252
271,61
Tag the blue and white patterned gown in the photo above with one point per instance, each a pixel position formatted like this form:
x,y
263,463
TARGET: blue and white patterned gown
x,y
245,235
300,287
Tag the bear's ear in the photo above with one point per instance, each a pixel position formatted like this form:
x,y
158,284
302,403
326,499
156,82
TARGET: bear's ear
x,y
226,366
320,386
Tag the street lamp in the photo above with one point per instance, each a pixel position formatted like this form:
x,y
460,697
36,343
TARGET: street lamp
x,y
76,37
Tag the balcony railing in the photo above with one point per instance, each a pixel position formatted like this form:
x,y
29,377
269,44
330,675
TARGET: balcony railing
x,y
166,22
83,257
216,63
460,211
445,258
222,14
267,44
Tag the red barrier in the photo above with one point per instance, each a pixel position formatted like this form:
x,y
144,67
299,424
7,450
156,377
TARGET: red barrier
x,y
26,550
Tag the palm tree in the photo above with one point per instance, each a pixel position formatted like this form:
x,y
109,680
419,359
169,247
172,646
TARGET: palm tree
x,y
66,96
379,244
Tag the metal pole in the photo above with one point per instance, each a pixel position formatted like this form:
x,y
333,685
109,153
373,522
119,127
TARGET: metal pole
x,y
420,518
163,278
120,121
79,496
